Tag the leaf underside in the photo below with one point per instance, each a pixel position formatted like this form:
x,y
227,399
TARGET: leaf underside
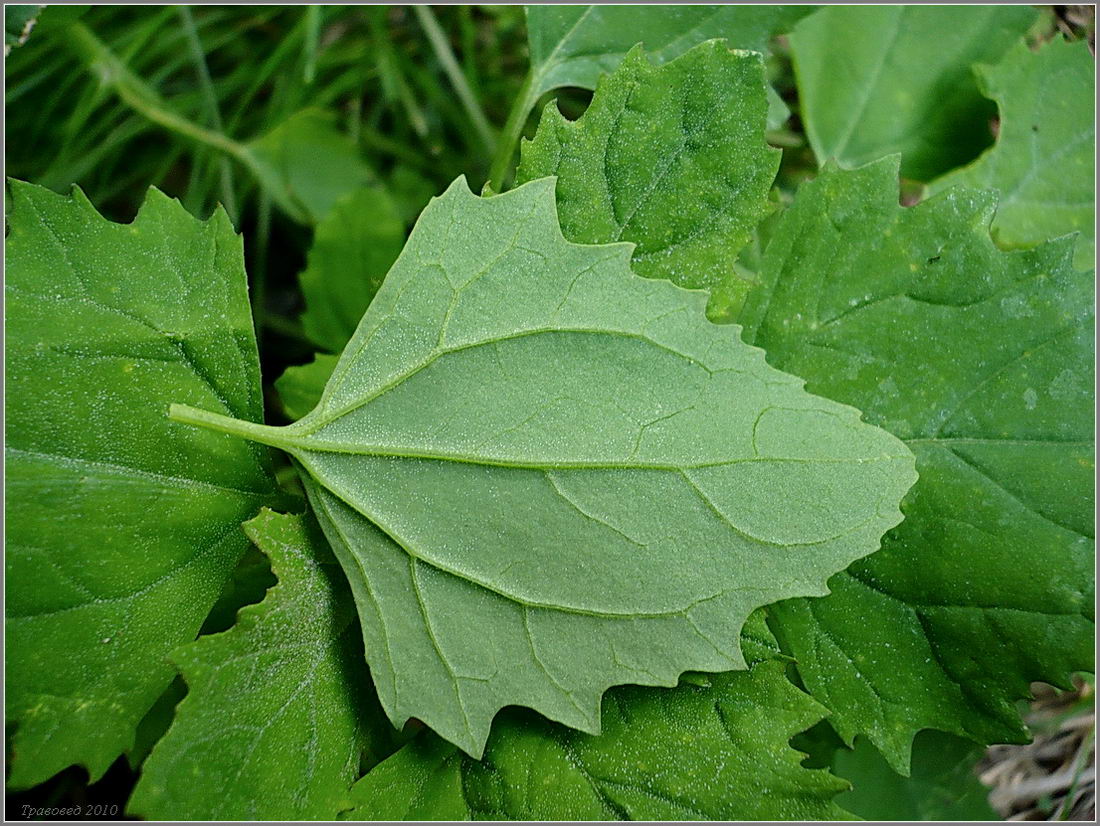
x,y
982,362
119,518
545,475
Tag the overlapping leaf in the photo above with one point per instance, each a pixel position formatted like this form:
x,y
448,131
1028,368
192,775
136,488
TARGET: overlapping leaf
x,y
1043,164
981,361
672,159
545,475
353,248
279,708
713,749
123,526
873,80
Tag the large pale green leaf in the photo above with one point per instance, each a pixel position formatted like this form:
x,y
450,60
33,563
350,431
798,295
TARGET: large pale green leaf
x,y
873,80
574,45
123,526
353,247
713,749
981,361
545,475
279,709
672,159
1043,163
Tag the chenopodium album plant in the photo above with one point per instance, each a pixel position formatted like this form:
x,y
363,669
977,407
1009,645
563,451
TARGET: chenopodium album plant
x,y
542,480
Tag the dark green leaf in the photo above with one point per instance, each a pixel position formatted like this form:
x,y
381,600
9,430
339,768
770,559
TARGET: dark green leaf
x,y
873,80
982,361
672,159
279,709
1044,161
123,526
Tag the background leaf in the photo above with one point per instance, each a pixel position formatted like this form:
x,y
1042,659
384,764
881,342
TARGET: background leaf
x,y
353,248
873,80
672,159
1043,164
642,481
712,749
123,526
279,710
981,361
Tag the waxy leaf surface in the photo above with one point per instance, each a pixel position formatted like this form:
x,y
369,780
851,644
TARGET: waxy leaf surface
x,y
713,749
670,158
545,475
873,80
982,362
279,708
1044,162
123,526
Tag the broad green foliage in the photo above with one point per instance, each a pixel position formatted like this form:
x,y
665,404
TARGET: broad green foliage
x,y
942,784
672,159
300,388
574,45
873,80
275,717
123,526
641,479
712,749
353,248
19,22
307,166
1043,163
981,361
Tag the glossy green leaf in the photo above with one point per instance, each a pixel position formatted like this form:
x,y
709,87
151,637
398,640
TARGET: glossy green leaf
x,y
1043,163
672,159
545,475
307,165
713,749
300,387
279,708
943,784
873,80
982,362
574,45
123,526
353,248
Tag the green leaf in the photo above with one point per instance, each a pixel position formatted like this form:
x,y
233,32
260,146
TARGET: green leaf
x,y
873,80
1043,163
119,518
982,362
306,165
574,45
300,387
545,475
279,708
713,752
19,21
353,248
672,159
942,786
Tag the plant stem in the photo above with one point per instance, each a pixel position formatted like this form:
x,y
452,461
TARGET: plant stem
x,y
513,130
446,57
262,433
